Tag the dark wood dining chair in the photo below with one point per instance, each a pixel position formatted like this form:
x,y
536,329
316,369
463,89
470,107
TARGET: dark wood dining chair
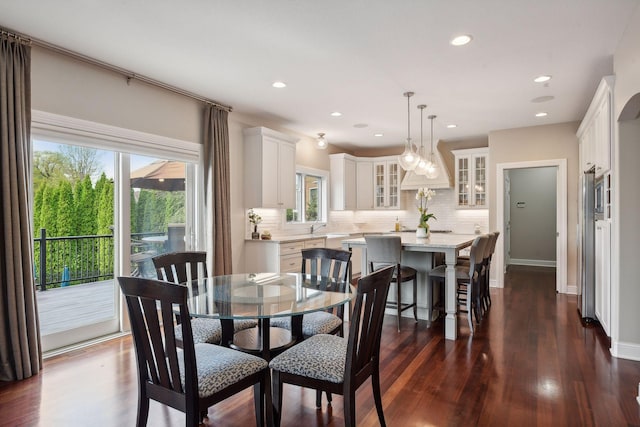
x,y
195,376
387,250
184,267
468,278
329,263
336,364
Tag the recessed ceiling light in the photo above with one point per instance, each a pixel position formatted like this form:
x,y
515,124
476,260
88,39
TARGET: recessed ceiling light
x,y
541,114
543,99
461,40
543,78
279,85
378,134
336,114
451,126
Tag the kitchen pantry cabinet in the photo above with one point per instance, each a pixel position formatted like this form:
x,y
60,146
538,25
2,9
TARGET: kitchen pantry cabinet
x,y
278,257
364,184
596,130
603,274
386,183
471,177
269,169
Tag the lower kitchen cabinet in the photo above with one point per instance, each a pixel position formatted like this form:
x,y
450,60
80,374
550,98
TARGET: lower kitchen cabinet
x,y
277,256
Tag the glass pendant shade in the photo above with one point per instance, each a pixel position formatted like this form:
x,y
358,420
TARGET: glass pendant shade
x,y
321,142
409,158
433,170
423,164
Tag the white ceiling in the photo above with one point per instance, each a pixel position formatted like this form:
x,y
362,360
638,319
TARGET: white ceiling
x,y
356,57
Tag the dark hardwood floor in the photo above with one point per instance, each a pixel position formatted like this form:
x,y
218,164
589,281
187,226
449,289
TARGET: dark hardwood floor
x,y
531,363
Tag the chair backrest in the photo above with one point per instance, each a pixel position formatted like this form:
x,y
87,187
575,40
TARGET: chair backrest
x,y
151,304
383,250
326,262
476,255
181,267
492,248
365,329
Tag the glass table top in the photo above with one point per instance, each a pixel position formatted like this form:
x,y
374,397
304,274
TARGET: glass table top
x,y
264,295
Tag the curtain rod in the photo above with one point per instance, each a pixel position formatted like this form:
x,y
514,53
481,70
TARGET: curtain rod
x,y
126,73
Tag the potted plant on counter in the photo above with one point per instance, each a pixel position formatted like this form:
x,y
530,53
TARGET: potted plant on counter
x,y
422,199
254,219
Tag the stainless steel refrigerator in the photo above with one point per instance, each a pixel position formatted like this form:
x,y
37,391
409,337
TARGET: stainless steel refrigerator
x,y
587,285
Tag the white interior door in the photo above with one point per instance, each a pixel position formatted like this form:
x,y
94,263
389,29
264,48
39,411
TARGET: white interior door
x,y
507,220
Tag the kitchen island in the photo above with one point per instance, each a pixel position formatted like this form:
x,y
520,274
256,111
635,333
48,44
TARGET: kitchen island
x,y
418,253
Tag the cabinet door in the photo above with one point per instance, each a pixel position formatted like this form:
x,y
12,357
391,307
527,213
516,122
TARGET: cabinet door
x,y
286,170
349,184
479,184
393,185
602,273
364,183
463,180
379,184
602,123
270,160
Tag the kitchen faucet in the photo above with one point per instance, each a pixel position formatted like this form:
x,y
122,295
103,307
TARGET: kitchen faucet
x,y
314,227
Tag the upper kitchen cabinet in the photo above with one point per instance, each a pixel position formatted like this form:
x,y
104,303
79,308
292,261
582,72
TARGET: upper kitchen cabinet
x,y
364,184
471,177
343,182
351,182
269,169
596,130
386,179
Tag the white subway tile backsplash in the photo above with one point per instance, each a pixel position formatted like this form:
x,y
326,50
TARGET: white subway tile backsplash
x,y
442,205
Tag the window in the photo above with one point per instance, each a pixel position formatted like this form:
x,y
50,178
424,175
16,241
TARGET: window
x,y
311,198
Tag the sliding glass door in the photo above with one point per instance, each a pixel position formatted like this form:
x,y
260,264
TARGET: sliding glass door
x,y
98,214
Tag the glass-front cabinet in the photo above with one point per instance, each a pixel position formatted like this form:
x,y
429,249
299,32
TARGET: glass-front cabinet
x,y
386,177
471,177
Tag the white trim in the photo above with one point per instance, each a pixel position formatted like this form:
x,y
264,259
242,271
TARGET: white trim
x,y
70,129
561,217
533,262
572,289
625,350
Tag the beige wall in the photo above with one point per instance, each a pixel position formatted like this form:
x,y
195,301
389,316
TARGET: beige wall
x,y
72,88
557,141
625,316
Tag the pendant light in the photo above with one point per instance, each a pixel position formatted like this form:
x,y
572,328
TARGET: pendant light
x,y
321,142
433,170
409,158
423,163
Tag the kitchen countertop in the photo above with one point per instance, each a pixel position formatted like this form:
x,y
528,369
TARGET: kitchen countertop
x,y
301,237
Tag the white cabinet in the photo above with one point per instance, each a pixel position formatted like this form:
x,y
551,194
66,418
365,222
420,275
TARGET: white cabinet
x,y
471,177
603,274
269,169
343,182
386,183
596,130
278,257
364,184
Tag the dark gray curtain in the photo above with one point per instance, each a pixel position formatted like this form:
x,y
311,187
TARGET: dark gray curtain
x,y
217,189
20,350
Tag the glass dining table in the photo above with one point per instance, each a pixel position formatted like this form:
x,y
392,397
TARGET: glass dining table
x,y
264,296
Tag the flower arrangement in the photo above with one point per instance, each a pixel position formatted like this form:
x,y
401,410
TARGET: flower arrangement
x,y
422,199
254,219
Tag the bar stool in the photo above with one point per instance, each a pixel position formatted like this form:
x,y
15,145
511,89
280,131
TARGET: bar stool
x,y
468,280
383,251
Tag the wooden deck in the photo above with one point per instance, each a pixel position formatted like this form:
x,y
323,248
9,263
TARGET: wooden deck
x,y
73,306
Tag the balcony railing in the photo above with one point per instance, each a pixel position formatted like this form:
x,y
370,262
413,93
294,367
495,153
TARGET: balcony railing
x,y
62,261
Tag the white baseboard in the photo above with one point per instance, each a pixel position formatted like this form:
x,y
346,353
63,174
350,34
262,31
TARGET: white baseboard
x,y
533,262
572,290
622,350
493,283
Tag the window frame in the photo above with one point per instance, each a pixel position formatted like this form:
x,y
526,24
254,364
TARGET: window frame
x,y
324,199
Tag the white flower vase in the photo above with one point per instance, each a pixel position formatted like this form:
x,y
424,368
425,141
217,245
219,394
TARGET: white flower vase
x,y
422,233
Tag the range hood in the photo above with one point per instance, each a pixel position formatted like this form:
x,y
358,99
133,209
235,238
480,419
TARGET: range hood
x,y
411,181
